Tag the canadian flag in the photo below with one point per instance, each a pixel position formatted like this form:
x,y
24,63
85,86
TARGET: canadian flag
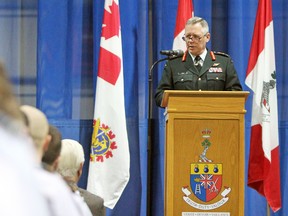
x,y
184,12
264,167
109,158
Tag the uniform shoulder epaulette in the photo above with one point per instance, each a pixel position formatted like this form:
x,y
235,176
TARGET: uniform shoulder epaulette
x,y
221,53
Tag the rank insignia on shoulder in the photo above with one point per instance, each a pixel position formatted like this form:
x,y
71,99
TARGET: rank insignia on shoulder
x,y
221,53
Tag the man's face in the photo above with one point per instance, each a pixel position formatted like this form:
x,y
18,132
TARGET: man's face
x,y
196,39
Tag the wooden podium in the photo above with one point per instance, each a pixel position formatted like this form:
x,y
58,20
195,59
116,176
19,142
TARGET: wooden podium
x,y
204,155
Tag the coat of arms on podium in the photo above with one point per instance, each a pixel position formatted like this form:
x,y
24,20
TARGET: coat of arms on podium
x,y
206,180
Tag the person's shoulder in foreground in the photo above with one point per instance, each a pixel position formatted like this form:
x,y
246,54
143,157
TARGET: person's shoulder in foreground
x,y
95,203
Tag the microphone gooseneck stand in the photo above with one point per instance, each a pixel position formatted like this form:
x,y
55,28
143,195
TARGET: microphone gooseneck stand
x,y
150,135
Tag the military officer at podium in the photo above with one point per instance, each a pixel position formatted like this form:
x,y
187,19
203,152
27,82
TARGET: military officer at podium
x,y
198,69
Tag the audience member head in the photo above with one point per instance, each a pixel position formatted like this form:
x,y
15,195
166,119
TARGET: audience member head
x,y
71,160
50,158
38,128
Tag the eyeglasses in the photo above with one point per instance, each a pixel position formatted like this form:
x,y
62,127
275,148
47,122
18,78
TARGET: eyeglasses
x,y
195,38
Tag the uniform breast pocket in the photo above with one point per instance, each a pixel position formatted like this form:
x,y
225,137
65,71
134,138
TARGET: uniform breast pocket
x,y
216,81
182,80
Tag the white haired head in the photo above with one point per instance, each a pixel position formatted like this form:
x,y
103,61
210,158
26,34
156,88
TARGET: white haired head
x,y
71,159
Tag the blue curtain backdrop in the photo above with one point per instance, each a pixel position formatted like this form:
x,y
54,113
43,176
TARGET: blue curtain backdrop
x,y
67,48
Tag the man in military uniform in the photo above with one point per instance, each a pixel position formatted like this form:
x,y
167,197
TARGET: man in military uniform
x,y
198,69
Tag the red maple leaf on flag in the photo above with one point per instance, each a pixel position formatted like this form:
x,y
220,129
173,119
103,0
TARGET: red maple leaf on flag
x,y
111,22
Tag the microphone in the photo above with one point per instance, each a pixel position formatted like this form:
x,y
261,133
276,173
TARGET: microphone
x,y
172,52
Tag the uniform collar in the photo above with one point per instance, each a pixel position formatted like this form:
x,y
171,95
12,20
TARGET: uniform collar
x,y
203,55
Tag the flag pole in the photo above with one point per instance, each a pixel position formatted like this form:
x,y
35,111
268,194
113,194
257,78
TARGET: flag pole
x,y
268,209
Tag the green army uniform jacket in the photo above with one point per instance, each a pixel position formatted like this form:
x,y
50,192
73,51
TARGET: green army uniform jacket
x,y
217,74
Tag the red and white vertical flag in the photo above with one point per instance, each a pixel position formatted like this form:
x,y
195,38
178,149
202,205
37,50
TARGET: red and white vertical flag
x,y
264,166
109,158
184,12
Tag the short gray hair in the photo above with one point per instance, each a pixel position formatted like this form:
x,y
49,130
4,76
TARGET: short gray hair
x,y
38,125
71,157
203,23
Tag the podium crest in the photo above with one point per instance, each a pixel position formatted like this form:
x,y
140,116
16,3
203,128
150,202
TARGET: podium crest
x,y
206,180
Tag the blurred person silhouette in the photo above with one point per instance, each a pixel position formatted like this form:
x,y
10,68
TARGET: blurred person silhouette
x,y
20,193
55,190
50,158
70,167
